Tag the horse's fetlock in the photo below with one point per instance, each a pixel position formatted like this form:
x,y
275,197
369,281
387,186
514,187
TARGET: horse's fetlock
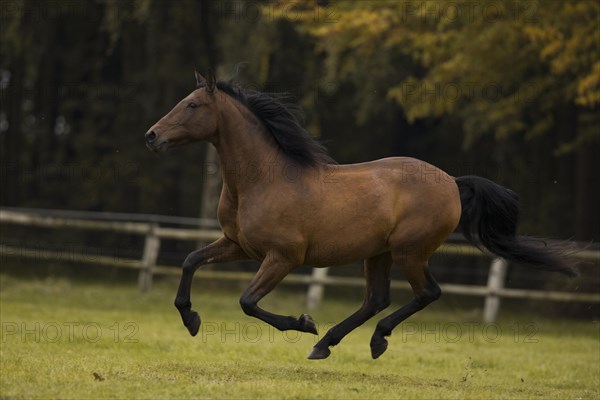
x,y
382,331
182,304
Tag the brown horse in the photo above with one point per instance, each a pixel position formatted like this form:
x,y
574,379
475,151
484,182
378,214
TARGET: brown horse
x,y
286,203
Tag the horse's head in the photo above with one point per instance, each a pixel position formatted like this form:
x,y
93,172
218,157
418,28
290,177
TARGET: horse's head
x,y
194,118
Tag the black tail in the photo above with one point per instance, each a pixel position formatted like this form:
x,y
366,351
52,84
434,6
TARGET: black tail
x,y
491,211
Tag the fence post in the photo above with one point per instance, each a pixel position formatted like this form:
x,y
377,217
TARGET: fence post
x,y
316,288
151,248
495,281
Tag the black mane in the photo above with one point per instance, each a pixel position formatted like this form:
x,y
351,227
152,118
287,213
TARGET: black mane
x,y
282,125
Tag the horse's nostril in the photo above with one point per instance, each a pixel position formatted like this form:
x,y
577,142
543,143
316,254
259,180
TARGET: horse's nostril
x,y
150,136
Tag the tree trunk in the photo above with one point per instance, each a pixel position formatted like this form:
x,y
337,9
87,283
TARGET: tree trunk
x,y
11,149
587,196
211,174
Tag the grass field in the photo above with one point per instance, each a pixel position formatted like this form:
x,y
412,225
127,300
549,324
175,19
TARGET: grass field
x,y
65,339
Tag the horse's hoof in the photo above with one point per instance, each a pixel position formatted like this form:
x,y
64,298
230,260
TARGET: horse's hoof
x,y
193,323
319,353
307,324
378,347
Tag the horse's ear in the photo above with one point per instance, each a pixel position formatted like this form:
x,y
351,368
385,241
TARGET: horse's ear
x,y
211,82
200,80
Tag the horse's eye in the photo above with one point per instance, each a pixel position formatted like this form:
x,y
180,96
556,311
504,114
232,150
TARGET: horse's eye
x,y
192,105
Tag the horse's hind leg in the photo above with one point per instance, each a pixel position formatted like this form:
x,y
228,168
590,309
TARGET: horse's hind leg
x,y
271,272
377,298
220,250
426,290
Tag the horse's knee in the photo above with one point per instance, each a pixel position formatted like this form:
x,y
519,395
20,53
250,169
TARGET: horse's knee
x,y
248,305
189,263
376,303
192,261
431,294
381,304
435,293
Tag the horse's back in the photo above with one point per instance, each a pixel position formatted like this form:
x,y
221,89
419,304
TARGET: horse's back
x,y
410,179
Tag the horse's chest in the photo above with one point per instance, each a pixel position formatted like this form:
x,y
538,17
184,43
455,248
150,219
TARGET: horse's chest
x,y
258,223
234,223
228,220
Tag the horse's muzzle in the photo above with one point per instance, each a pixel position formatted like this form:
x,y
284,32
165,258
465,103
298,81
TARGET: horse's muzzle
x,y
151,136
154,143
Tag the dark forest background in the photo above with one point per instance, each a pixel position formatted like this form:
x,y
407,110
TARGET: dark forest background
x,y
506,90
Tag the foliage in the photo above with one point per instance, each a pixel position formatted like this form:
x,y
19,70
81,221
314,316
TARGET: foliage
x,y
502,68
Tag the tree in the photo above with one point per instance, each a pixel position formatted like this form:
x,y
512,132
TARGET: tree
x,y
518,80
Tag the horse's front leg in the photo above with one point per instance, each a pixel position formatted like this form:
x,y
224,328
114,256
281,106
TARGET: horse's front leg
x,y
271,272
221,250
377,298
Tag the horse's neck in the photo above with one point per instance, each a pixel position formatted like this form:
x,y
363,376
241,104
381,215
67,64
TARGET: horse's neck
x,y
246,154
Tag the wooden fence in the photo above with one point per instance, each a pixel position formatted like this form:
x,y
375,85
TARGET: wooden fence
x,y
154,233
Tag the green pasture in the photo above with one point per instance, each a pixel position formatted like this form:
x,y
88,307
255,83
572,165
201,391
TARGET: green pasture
x,y
73,340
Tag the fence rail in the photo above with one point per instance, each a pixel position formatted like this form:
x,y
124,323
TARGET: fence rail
x,y
154,233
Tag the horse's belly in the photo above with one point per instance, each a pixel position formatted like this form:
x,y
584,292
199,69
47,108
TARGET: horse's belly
x,y
345,248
